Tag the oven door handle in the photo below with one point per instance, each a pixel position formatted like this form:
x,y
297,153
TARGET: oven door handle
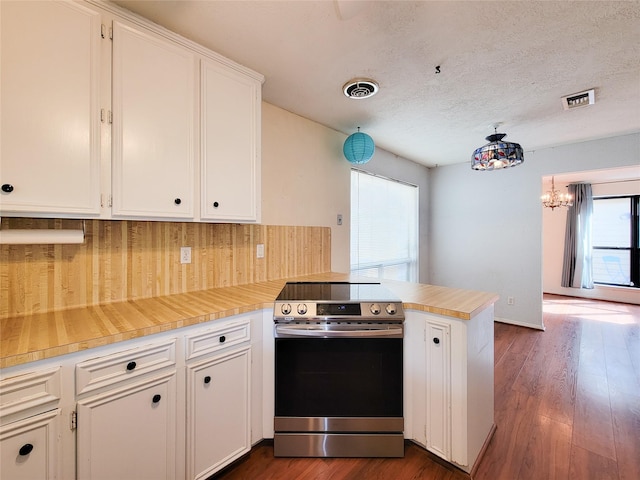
x,y
305,331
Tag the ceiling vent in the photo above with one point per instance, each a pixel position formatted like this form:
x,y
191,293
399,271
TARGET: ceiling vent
x,y
581,99
360,88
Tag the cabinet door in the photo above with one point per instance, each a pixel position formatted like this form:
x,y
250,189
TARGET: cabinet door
x,y
153,125
218,412
129,433
230,145
415,378
50,120
29,448
438,386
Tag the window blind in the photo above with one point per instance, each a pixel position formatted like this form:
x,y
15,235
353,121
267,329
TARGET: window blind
x,y
384,228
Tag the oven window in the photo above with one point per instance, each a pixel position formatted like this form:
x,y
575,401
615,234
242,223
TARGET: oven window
x,y
344,377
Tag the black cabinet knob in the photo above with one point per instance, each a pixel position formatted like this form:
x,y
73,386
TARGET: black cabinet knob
x,y
216,204
7,188
436,340
223,339
131,366
207,379
177,201
156,398
25,449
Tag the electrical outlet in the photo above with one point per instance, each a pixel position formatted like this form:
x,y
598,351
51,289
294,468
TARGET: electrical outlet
x,y
185,254
510,301
260,250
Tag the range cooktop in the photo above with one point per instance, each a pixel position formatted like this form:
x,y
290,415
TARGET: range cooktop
x,y
336,291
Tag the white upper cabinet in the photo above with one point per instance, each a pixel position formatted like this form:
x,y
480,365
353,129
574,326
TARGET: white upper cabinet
x,y
154,98
50,120
106,115
230,171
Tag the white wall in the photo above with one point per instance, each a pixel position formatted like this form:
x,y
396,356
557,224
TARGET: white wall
x,y
307,181
486,227
553,228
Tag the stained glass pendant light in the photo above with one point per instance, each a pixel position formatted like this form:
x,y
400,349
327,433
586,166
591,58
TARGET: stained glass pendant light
x,y
358,148
497,153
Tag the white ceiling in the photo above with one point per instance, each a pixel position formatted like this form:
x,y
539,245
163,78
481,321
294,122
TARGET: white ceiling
x,y
508,62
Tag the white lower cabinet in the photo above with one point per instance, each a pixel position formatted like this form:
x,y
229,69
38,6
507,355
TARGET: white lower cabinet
x,y
129,433
29,448
218,400
438,393
218,412
176,405
449,384
30,425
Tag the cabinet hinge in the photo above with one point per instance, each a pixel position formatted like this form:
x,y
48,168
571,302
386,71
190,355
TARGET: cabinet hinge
x,y
106,200
110,33
102,115
103,30
110,117
74,420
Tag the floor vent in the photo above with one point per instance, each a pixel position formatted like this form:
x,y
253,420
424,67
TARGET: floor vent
x,y
581,99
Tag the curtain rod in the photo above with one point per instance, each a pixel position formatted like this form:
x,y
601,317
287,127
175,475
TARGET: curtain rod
x,y
615,181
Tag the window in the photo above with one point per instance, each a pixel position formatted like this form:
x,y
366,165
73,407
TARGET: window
x,y
384,228
616,241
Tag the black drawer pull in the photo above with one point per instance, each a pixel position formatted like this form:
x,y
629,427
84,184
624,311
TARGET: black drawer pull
x,y
7,188
223,339
25,449
177,201
207,379
156,398
436,340
216,204
131,366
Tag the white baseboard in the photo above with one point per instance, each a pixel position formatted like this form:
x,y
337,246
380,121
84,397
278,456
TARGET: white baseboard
x,y
519,324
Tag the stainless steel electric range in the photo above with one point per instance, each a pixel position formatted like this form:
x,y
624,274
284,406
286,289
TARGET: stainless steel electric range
x,y
338,371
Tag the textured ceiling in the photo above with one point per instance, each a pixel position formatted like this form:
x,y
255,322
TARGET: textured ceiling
x,y
508,62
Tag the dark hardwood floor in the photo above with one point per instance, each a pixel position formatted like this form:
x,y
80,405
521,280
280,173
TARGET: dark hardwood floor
x,y
567,407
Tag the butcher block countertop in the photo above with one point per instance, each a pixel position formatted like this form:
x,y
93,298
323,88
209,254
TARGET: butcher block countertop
x,y
45,335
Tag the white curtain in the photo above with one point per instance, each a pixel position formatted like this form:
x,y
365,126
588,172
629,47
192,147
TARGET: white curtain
x,y
577,269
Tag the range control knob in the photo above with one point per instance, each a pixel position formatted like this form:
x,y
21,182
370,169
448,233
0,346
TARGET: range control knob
x,y
375,309
391,309
285,309
302,308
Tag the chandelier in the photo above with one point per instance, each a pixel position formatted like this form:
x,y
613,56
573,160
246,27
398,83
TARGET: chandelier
x,y
553,198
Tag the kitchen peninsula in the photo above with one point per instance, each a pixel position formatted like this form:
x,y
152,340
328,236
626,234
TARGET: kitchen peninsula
x,y
68,362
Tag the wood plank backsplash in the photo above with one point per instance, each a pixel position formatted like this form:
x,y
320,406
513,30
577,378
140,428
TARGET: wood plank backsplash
x,y
126,260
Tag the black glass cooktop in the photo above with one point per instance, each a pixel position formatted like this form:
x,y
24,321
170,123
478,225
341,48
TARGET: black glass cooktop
x,y
336,291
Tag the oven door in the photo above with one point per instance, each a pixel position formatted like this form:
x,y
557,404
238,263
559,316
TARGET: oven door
x,y
338,396
349,379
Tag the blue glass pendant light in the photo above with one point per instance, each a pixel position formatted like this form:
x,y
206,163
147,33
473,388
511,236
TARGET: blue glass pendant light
x,y
358,147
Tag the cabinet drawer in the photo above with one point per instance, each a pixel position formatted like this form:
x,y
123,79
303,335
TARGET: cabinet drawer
x,y
217,338
29,394
129,364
